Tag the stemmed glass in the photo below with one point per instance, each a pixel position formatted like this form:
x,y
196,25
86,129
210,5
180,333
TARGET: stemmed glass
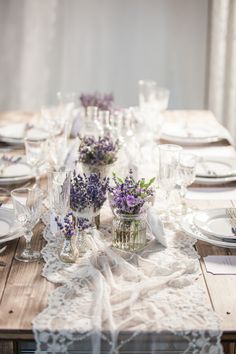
x,y
57,150
185,177
52,119
59,191
168,171
150,95
35,155
153,100
27,204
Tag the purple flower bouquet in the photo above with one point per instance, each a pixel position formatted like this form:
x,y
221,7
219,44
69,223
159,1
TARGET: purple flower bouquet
x,y
128,198
102,102
87,195
68,252
97,155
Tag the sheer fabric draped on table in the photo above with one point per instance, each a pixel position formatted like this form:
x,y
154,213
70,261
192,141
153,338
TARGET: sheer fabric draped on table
x,y
111,300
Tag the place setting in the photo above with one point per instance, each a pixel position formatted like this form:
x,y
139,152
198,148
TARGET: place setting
x,y
186,133
215,170
215,226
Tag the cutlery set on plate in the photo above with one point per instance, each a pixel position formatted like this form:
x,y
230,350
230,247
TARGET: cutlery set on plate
x,y
212,170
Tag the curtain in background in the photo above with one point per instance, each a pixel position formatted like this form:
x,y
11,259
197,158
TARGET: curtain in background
x,y
107,45
221,95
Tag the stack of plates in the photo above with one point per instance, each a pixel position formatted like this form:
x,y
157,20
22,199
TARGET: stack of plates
x,y
15,173
211,226
212,171
9,228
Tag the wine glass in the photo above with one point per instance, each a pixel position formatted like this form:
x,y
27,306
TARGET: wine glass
x,y
59,191
27,204
69,107
57,150
52,119
35,155
185,177
150,95
168,170
153,100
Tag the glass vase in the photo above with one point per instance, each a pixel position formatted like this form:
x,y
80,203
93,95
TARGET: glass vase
x,y
68,252
102,170
91,214
82,244
129,232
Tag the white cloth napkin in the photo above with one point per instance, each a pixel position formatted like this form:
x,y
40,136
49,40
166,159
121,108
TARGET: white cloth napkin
x,y
156,226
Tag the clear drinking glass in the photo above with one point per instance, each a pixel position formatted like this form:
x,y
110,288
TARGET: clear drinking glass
x,y
185,177
52,119
57,149
168,171
153,101
150,95
59,191
27,204
35,155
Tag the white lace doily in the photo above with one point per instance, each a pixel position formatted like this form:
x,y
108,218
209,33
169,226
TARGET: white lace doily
x,y
113,301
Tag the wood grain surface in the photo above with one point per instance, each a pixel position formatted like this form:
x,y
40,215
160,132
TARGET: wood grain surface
x,y
24,292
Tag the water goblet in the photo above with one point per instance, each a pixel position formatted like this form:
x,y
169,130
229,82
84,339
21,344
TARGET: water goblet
x,y
35,155
152,96
168,169
52,119
185,177
57,150
59,191
27,204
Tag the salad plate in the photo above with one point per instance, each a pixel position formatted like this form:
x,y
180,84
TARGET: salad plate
x,y
215,222
189,228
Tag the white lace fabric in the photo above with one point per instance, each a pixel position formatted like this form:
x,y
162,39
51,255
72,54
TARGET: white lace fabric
x,y
114,300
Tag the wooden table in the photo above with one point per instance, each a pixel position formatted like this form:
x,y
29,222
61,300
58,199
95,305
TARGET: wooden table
x,y
24,292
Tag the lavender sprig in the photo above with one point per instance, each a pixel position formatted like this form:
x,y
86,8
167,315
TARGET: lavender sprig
x,y
129,196
101,151
67,227
88,191
83,224
103,102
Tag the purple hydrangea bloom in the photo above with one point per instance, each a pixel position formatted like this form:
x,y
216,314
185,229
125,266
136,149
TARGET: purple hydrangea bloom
x,y
88,191
129,196
101,151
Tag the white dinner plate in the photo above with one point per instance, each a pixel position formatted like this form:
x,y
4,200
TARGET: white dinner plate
x,y
9,228
15,133
190,136
214,222
216,167
188,226
214,181
16,173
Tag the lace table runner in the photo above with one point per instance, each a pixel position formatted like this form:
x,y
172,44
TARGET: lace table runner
x,y
115,302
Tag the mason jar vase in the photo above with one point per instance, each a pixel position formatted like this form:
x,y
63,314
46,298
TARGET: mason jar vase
x,y
129,232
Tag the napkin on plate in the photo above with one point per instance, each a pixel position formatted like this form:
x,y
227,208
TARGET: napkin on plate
x,y
156,226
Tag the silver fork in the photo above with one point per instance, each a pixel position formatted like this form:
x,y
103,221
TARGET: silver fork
x,y
231,214
2,264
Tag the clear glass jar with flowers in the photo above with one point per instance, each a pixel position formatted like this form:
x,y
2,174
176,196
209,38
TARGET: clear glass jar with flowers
x,y
87,195
103,102
68,251
128,199
98,155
